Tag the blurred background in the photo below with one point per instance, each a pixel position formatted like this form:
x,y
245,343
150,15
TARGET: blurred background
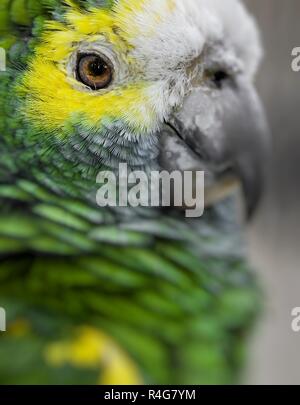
x,y
275,237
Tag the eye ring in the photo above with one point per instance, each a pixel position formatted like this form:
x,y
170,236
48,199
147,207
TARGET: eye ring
x,y
94,71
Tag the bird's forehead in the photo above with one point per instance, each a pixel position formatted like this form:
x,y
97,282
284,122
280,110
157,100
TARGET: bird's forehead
x,y
150,17
161,31
174,30
152,37
171,31
161,23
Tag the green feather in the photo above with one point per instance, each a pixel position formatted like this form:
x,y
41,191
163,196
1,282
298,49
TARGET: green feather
x,y
166,292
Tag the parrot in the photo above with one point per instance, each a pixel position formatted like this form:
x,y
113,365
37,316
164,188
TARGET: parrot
x,y
127,295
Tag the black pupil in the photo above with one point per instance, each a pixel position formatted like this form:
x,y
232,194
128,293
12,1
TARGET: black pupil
x,y
97,67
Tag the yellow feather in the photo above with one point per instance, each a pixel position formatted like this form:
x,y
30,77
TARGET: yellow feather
x,y
93,349
57,100
51,97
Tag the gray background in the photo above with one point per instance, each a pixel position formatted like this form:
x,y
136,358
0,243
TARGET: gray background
x,y
275,237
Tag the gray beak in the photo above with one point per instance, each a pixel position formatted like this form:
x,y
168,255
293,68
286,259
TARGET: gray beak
x,y
224,135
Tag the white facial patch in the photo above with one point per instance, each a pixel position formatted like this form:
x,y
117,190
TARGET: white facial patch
x,y
168,36
165,34
240,32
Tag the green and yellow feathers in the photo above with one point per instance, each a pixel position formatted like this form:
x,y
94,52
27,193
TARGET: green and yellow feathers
x,y
107,295
59,102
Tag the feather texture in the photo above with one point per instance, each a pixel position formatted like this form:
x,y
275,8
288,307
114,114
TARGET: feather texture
x,y
173,299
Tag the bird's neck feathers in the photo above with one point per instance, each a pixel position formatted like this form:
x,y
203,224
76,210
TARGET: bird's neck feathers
x,y
70,165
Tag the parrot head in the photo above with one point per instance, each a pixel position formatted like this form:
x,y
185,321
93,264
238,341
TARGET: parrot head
x,y
139,81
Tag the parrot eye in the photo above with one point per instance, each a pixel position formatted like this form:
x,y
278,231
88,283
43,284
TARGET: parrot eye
x,y
94,71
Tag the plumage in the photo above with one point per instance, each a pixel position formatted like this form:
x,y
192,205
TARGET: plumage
x,y
125,295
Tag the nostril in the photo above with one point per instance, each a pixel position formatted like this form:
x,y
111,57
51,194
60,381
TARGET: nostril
x,y
219,78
